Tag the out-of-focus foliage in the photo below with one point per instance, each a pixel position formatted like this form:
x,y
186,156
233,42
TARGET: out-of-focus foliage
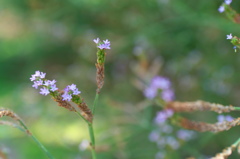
x,y
186,38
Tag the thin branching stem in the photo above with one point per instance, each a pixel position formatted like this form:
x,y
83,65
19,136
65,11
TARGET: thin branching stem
x,y
95,103
91,134
36,140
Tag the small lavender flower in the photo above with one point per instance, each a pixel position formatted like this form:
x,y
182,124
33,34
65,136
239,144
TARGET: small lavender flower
x,y
168,95
166,128
104,46
162,116
38,83
106,41
228,2
229,36
229,118
72,87
154,136
171,141
67,96
150,92
37,75
160,82
44,91
222,118
53,88
76,92
185,134
221,9
96,40
69,91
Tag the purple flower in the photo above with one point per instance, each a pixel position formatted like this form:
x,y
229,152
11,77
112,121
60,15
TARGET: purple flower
x,y
160,82
168,95
37,83
221,9
44,91
171,141
72,87
228,2
229,36
47,83
222,118
154,136
52,82
162,116
185,134
67,96
150,92
38,75
96,40
104,46
106,41
229,118
76,92
53,88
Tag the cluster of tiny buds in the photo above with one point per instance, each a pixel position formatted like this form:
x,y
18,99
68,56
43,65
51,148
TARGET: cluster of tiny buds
x,y
69,91
39,80
48,86
102,45
162,84
163,115
221,9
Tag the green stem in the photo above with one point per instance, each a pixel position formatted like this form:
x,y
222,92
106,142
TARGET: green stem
x,y
36,140
95,103
236,108
236,142
91,134
80,115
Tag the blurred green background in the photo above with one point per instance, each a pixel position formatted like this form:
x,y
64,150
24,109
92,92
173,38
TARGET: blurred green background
x,y
183,40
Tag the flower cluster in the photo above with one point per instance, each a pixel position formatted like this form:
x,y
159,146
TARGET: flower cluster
x,y
39,80
161,84
48,86
221,9
102,45
162,116
69,91
165,135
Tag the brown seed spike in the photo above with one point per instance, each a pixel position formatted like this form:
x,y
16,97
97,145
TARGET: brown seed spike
x,y
225,153
5,112
202,126
99,76
198,106
62,103
85,111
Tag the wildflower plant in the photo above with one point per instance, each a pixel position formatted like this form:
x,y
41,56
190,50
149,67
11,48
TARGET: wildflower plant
x,y
66,98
